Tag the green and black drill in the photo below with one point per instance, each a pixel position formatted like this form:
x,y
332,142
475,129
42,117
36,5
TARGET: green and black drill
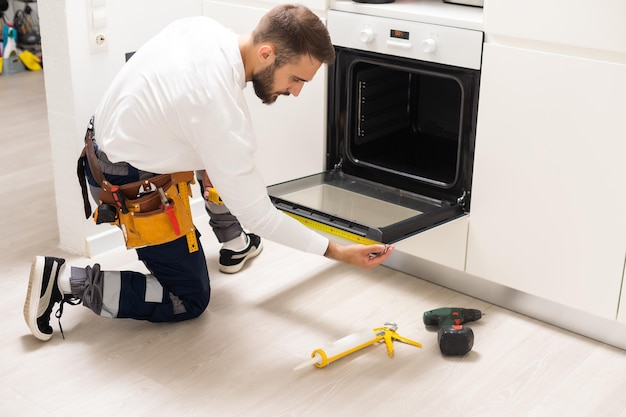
x,y
454,338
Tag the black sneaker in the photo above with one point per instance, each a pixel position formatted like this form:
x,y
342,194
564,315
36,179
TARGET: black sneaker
x,y
43,293
231,261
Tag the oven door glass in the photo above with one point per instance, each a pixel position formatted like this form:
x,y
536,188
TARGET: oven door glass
x,y
357,209
399,151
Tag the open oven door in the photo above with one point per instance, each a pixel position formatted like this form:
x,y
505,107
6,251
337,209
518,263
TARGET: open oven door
x,y
400,148
360,210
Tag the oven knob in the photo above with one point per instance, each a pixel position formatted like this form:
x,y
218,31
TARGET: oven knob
x,y
366,35
429,46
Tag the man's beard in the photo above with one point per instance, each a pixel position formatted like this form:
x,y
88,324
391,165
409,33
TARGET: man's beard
x,y
263,82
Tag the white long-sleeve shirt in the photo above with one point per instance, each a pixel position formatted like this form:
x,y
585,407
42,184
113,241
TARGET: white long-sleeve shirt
x,y
178,105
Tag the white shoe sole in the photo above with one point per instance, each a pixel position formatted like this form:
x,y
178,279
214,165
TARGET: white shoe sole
x,y
232,269
31,306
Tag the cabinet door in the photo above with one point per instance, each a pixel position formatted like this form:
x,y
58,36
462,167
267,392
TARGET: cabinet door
x,y
291,133
597,25
548,210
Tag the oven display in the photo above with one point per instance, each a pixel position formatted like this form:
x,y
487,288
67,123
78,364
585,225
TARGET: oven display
x,y
399,34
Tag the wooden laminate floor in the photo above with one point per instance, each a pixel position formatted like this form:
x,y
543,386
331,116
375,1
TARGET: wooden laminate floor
x,y
237,359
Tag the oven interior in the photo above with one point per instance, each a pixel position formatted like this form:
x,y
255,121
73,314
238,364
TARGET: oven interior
x,y
404,122
399,151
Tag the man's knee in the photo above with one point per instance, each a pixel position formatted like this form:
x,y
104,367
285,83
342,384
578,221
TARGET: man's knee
x,y
191,306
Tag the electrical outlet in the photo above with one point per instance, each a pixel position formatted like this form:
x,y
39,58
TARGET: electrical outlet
x,y
98,22
98,42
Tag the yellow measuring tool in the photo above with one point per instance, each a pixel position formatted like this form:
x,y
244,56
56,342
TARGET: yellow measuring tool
x,y
313,224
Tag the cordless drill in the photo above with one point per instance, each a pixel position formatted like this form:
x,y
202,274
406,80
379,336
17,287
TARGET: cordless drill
x,y
453,337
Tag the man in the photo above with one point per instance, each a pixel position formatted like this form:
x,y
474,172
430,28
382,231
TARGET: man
x,y
188,112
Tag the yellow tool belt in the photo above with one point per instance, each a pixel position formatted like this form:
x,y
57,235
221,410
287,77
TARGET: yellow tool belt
x,y
157,209
149,212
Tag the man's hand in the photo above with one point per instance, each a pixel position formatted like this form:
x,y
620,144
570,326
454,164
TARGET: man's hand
x,y
363,256
206,184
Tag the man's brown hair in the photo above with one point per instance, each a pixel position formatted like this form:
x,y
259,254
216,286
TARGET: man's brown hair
x,y
294,30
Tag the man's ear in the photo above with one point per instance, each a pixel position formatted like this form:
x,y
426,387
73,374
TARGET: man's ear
x,y
266,53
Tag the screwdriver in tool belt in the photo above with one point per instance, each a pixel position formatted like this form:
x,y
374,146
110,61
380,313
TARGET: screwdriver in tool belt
x,y
169,210
120,200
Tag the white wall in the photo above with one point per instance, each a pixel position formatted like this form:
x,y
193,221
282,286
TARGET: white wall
x,y
318,6
76,75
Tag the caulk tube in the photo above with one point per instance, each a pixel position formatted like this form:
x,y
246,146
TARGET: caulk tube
x,y
346,345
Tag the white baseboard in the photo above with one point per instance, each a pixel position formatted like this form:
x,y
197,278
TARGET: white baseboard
x,y
607,331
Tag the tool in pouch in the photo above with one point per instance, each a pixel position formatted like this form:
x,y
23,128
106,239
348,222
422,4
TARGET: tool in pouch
x,y
149,212
169,210
356,341
213,196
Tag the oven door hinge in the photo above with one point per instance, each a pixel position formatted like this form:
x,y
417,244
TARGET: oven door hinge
x,y
463,199
337,166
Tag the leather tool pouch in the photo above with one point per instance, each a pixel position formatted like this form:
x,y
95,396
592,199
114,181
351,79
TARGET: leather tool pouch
x,y
146,221
141,213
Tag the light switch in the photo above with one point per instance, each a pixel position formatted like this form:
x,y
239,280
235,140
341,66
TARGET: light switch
x,y
98,19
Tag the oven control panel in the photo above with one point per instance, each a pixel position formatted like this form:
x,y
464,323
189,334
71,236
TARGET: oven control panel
x,y
422,41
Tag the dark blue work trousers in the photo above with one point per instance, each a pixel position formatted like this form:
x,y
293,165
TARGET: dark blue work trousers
x,y
183,290
184,277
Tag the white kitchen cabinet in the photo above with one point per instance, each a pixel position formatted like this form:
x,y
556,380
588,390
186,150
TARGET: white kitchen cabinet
x,y
548,210
291,133
596,25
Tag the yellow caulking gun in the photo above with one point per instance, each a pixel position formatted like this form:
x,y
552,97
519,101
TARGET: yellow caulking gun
x,y
354,342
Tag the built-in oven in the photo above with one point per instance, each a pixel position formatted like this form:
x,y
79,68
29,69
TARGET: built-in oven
x,y
402,110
